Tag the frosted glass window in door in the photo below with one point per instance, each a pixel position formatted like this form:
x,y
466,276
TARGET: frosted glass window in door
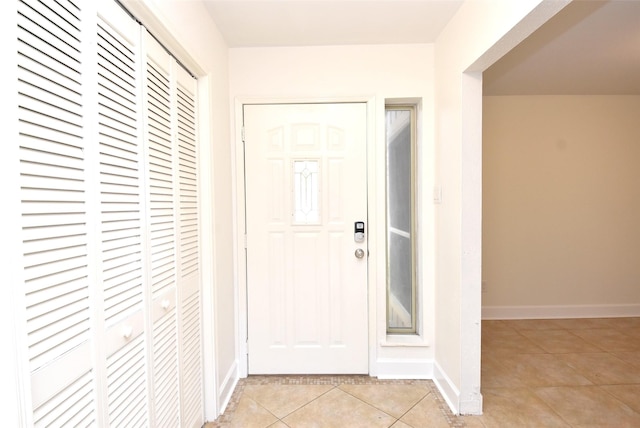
x,y
306,191
401,289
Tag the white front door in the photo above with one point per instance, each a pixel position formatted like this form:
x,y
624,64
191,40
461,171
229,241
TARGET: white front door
x,y
306,187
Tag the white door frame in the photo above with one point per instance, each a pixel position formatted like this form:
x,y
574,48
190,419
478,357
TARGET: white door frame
x,y
373,208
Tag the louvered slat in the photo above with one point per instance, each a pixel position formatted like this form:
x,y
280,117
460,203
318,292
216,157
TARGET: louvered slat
x,y
191,363
120,184
126,378
52,28
165,369
161,179
72,406
187,154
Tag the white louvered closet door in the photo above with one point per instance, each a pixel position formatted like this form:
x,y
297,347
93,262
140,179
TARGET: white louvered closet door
x,y
56,220
173,240
162,242
191,374
110,226
122,206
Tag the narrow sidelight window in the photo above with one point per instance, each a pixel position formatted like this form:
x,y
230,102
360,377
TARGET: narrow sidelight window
x,y
400,187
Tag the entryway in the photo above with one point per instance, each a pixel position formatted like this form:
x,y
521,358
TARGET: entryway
x,y
306,238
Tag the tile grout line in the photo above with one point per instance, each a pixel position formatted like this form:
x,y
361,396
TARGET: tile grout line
x,y
369,404
554,411
306,404
412,407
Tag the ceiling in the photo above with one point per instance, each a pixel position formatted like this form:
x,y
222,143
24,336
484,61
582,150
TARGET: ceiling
x,y
245,23
589,47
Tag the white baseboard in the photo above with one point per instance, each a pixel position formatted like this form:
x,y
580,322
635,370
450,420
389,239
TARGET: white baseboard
x,y
447,389
404,368
227,387
559,311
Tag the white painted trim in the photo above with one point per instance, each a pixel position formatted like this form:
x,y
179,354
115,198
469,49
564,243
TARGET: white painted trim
x,y
472,406
471,235
15,388
446,388
376,235
227,386
404,368
207,239
237,151
560,311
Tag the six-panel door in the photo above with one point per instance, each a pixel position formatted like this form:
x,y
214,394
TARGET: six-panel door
x,y
305,188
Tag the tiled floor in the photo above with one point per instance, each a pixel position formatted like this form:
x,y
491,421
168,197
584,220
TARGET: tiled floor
x,y
561,373
335,401
535,373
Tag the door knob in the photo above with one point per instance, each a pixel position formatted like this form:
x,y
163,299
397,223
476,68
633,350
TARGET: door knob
x,y
359,253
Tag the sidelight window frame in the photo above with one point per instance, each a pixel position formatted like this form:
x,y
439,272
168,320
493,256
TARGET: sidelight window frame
x,y
409,324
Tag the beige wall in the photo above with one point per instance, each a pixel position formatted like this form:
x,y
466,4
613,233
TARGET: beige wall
x,y
561,203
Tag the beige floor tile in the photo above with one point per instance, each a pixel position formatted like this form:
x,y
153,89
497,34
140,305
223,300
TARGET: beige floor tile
x,y
427,413
580,323
509,344
610,340
498,333
250,414
338,409
473,422
624,322
282,400
493,326
588,406
542,370
523,325
560,341
500,379
628,394
602,368
517,407
633,332
394,400
496,374
632,358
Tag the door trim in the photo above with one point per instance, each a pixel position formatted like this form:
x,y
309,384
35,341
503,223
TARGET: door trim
x,y
373,208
